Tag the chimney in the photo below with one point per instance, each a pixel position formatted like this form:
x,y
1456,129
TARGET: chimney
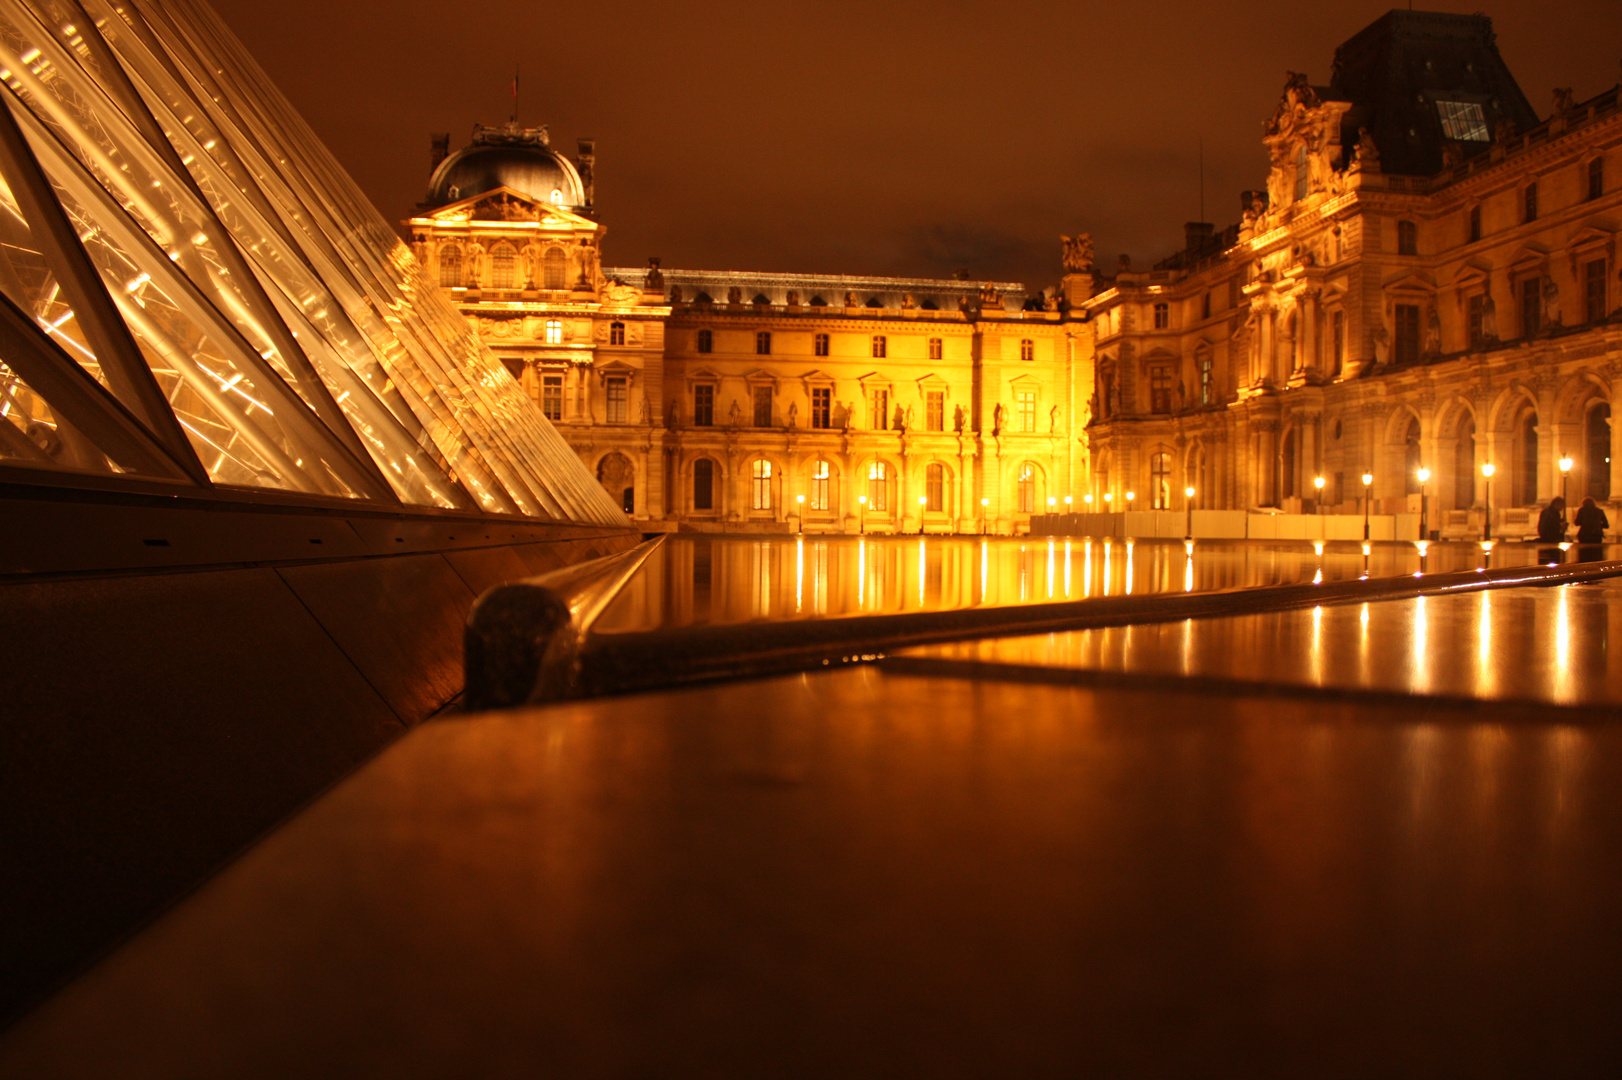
x,y
1196,235
587,163
439,149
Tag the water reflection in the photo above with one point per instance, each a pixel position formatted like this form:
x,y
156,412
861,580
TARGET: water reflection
x,y
715,579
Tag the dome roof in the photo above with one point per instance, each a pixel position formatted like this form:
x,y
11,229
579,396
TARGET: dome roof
x,y
509,156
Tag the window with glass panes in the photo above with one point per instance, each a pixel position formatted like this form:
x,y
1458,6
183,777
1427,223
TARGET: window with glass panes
x,y
763,343
1027,349
703,484
1160,388
820,472
935,488
1594,290
704,405
760,485
554,332
552,396
1338,339
1596,178
502,258
1407,238
935,350
1162,316
616,333
1160,481
1026,488
1475,224
1025,407
819,345
934,410
1405,340
617,399
1207,381
450,267
822,406
876,486
1531,306
1531,199
1478,319
706,341
879,410
881,346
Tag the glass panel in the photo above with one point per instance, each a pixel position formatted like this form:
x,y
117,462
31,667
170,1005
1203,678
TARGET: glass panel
x,y
35,435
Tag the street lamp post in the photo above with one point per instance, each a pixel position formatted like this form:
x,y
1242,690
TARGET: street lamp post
x,y
1368,478
861,514
923,504
1424,476
1565,469
985,516
799,515
1188,506
1486,525
1318,482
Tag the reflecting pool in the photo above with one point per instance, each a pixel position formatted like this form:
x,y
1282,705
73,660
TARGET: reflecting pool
x,y
730,579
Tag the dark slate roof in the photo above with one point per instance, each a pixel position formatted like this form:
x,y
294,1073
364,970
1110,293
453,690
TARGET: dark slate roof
x,y
1398,68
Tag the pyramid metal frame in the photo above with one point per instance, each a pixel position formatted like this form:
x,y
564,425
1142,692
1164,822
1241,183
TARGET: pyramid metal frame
x,y
194,294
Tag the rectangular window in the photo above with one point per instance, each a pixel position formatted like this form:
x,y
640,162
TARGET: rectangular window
x,y
706,341
763,406
1338,342
880,345
822,407
1531,202
616,399
1475,224
1162,316
1027,349
1407,238
1205,305
819,485
703,405
552,396
703,484
1478,320
554,331
616,333
1594,290
1405,341
876,487
819,345
763,343
1025,405
1160,389
1596,178
761,486
934,348
1531,306
879,410
1463,120
934,410
1207,381
934,489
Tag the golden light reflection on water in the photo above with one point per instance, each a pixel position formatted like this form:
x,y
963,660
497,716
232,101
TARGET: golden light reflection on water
x,y
703,579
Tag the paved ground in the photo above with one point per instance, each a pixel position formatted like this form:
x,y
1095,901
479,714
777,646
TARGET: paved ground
x,y
866,873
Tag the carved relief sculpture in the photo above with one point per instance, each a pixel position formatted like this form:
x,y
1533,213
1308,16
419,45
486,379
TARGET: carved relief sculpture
x,y
1078,253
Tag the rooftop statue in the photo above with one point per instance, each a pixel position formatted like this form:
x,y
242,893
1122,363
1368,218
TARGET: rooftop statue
x,y
1078,253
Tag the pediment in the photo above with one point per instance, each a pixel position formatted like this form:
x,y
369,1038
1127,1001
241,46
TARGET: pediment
x,y
1529,257
1022,379
932,381
1470,275
876,380
616,367
1159,356
1591,236
760,377
817,377
509,204
1411,283
704,374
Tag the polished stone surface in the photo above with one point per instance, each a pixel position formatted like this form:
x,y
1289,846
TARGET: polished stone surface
x,y
698,580
860,873
1547,645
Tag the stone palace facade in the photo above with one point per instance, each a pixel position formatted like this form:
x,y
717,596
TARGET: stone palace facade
x,y
1427,281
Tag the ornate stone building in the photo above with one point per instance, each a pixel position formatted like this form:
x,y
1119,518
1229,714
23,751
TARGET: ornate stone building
x,y
1428,281
757,401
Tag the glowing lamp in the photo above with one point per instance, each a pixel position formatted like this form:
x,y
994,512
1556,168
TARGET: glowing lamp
x,y
1108,496
1487,470
1067,500
1052,501
1424,476
1131,495
1566,464
1318,482
1368,478
799,498
985,502
1189,492
923,500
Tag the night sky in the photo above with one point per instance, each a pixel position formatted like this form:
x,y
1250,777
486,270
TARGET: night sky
x,y
880,138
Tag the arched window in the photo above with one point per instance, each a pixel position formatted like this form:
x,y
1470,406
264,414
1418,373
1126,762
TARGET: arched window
x,y
819,345
450,266
1026,487
554,269
880,345
761,485
876,487
935,489
706,341
1526,459
703,484
1464,466
1598,440
763,343
1027,349
616,333
820,471
934,348
1411,457
1407,238
502,260
1160,481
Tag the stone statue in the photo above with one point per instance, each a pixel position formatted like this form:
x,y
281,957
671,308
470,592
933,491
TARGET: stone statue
x,y
617,292
1504,132
1050,299
533,254
907,302
1564,101
793,298
654,280
673,414
646,412
1053,420
794,414
998,416
989,296
907,419
850,299
735,295
1078,253
1433,334
1368,154
958,420
675,294
1452,154
473,266
1551,303
1489,318
734,414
